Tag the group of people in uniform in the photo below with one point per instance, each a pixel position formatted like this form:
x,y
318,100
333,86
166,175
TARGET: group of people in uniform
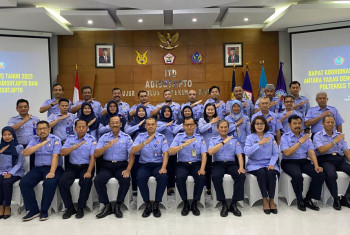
x,y
170,142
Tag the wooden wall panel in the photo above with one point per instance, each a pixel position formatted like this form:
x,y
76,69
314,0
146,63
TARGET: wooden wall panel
x,y
131,77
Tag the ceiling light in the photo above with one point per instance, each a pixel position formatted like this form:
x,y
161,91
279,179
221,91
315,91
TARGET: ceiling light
x,y
90,22
194,20
140,20
245,19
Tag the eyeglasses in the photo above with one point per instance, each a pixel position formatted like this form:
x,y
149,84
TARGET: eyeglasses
x,y
42,129
114,123
189,125
259,124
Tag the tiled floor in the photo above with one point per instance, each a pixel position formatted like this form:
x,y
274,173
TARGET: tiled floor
x,y
289,220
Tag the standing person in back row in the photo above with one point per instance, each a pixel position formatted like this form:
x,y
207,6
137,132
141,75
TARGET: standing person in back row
x,y
214,93
51,105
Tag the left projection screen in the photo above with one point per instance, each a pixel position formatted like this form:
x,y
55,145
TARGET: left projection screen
x,y
24,74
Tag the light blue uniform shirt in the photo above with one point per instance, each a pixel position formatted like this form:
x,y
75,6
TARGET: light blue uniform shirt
x,y
226,152
55,108
175,107
43,156
96,106
207,130
303,109
82,154
274,124
322,138
120,150
275,108
26,132
192,152
289,139
317,111
123,109
168,132
260,156
153,151
248,109
64,127
221,110
6,163
197,110
149,109
285,124
241,132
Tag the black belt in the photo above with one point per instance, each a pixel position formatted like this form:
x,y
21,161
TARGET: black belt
x,y
79,165
114,162
190,162
329,155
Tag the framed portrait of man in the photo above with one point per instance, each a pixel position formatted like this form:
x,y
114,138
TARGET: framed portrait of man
x,y
233,54
104,55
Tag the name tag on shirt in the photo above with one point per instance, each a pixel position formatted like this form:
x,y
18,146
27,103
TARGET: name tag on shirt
x,y
194,153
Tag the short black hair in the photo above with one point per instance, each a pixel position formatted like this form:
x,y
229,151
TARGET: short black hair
x,y
293,117
293,82
104,49
63,100
86,87
80,120
116,89
288,96
166,91
120,119
327,116
22,101
142,91
221,121
150,118
43,122
261,118
213,87
57,84
190,118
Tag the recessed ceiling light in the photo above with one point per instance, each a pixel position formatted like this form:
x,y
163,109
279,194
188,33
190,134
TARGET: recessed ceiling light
x,y
246,19
90,22
194,20
140,20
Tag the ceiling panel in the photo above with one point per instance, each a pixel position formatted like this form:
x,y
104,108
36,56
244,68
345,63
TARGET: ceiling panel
x,y
235,16
152,19
78,18
182,19
32,19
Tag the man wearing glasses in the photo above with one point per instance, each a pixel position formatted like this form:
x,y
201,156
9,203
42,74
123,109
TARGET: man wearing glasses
x,y
48,168
288,112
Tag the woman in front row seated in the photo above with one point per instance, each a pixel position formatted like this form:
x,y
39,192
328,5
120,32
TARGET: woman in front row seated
x,y
11,168
262,152
223,148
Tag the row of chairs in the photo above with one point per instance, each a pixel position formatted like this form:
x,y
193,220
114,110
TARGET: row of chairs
x,y
252,192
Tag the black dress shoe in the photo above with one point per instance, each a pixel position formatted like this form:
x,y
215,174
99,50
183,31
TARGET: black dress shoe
x,y
80,213
1,216
336,204
194,208
345,201
156,211
148,210
267,211
301,205
274,211
186,209
234,209
224,210
107,210
68,213
117,211
309,204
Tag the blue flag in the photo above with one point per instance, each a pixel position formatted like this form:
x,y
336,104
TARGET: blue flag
x,y
281,89
263,81
233,83
247,87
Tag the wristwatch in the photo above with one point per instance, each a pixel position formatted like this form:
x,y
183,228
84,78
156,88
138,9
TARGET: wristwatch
x,y
223,143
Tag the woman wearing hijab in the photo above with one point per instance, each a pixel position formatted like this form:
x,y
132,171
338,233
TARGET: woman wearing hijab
x,y
87,114
112,110
134,128
185,112
11,168
165,126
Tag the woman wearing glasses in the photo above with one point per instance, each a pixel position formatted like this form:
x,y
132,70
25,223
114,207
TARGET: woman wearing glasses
x,y
262,152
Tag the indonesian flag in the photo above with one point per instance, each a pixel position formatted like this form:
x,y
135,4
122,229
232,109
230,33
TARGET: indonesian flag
x,y
76,92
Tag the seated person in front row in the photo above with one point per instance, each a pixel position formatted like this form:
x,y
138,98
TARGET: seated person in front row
x,y
296,147
11,168
331,148
223,148
80,148
153,162
191,159
115,147
48,168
